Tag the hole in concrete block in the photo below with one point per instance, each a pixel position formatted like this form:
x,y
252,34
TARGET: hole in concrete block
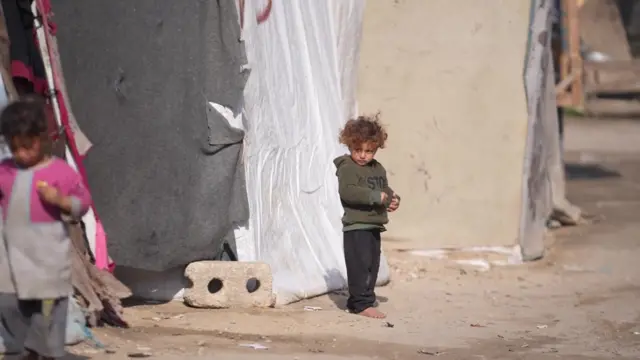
x,y
253,285
214,286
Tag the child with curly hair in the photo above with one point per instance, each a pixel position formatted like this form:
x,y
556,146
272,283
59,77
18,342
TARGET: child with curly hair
x,y
36,191
366,198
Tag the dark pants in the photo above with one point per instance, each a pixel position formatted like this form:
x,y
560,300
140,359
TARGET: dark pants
x,y
37,325
362,256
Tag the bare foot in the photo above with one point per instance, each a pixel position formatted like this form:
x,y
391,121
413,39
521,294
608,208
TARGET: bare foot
x,y
372,313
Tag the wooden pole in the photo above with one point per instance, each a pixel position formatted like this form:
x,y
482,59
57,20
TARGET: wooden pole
x,y
571,58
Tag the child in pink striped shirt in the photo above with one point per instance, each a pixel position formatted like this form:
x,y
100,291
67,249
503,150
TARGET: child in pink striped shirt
x,y
36,190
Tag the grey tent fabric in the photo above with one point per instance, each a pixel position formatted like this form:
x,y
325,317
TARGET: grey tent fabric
x,y
165,170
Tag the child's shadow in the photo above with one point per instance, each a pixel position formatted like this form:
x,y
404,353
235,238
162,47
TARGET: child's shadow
x,y
339,297
67,356
70,356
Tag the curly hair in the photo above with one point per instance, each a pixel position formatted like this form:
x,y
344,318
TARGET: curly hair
x,y
24,118
363,129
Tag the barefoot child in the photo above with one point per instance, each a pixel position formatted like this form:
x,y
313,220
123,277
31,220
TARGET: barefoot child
x,y
36,189
366,198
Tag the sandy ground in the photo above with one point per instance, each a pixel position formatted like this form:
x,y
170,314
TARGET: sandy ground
x,y
579,302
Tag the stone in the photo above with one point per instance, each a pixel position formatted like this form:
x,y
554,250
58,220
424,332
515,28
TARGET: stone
x,y
229,284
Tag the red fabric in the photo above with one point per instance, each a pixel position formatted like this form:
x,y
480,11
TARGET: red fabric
x,y
21,70
45,8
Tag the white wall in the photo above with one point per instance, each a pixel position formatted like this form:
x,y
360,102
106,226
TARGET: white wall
x,y
448,78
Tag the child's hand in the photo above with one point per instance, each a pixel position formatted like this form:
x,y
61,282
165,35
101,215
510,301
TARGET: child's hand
x,y
383,197
395,204
48,193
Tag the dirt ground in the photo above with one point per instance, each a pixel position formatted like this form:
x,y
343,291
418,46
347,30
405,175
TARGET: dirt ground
x,y
579,302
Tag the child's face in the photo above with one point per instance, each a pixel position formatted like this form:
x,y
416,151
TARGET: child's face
x,y
362,154
26,151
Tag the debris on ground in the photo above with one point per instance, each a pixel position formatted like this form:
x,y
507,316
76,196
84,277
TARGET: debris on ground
x,y
431,353
142,352
254,346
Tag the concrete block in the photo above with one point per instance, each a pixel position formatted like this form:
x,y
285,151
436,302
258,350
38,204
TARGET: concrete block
x,y
227,284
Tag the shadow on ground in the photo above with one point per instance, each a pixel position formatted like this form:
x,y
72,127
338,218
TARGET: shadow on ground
x,y
589,172
339,297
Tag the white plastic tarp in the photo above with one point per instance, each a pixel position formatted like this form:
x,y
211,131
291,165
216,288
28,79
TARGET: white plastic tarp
x,y
301,91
